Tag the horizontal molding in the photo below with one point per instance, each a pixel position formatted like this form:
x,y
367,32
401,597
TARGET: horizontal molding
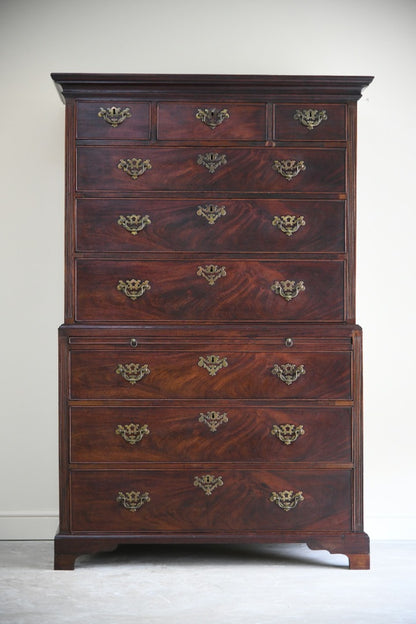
x,y
28,525
42,525
390,527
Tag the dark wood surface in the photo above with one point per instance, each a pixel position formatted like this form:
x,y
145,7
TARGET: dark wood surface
x,y
179,434
242,503
176,121
175,374
177,292
91,126
182,317
176,227
177,169
287,128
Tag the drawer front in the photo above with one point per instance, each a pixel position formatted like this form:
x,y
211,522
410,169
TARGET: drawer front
x,y
209,289
239,500
210,225
113,120
240,170
211,121
310,122
222,373
209,433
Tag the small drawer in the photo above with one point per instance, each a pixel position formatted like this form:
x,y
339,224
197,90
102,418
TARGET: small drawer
x,y
202,499
210,225
113,120
310,122
211,121
148,168
209,433
208,371
209,289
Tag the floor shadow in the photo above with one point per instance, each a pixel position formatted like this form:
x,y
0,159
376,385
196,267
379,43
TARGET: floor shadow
x,y
214,554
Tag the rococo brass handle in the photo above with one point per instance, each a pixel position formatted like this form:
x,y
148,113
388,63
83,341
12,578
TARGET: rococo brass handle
x,y
212,160
134,223
132,501
211,272
134,167
288,224
287,433
289,169
211,212
310,118
133,288
286,499
132,433
288,373
212,363
208,483
213,420
212,117
133,372
114,115
288,289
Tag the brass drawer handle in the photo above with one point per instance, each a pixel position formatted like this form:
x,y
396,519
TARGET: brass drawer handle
x,y
211,212
132,501
289,169
211,272
133,372
134,223
212,117
132,288
286,499
288,289
288,224
133,432
208,483
310,118
213,420
212,363
288,373
212,160
113,115
134,167
287,433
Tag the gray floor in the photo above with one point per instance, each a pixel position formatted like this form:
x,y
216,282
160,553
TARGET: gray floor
x,y
271,584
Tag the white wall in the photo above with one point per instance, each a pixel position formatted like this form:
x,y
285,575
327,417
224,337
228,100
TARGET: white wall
x,y
359,37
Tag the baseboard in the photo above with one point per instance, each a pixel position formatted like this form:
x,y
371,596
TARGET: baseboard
x,y
391,527
39,526
28,525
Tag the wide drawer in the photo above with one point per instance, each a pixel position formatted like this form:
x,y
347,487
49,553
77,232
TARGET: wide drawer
x,y
211,121
209,433
145,168
113,120
209,289
202,499
209,225
310,122
203,371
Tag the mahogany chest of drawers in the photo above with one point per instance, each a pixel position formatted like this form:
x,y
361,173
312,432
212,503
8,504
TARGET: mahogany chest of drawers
x,y
210,365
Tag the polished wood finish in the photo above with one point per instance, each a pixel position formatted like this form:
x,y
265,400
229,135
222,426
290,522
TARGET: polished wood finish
x,y
91,126
177,169
175,374
242,503
178,434
243,293
176,121
182,318
175,227
287,128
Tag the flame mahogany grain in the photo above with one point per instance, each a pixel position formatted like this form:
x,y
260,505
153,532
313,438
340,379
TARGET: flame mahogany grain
x,y
182,318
